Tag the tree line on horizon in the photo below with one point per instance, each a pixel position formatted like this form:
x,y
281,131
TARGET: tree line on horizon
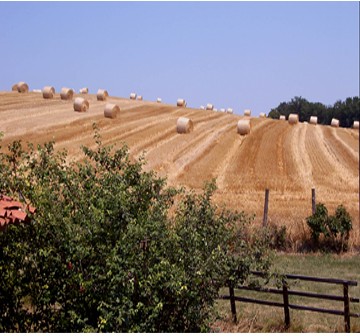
x,y
346,111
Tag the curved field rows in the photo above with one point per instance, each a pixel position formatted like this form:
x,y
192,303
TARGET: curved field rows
x,y
261,157
288,160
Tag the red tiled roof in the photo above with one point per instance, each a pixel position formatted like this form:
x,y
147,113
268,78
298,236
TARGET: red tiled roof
x,y
13,212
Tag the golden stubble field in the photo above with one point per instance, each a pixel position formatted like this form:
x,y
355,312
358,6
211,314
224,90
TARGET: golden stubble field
x,y
288,160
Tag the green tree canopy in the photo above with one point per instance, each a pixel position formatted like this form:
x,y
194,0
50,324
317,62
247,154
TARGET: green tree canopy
x,y
111,248
345,111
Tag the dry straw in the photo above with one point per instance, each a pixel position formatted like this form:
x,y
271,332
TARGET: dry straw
x,y
66,94
335,122
21,87
48,92
210,107
111,111
262,115
247,113
84,90
102,94
133,96
282,117
313,120
293,119
243,126
181,102
81,104
356,125
184,125
158,100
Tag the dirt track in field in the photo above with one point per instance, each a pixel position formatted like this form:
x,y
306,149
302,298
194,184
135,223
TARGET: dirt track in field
x,y
289,160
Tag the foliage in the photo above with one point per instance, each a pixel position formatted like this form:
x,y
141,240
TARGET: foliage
x,y
345,111
277,237
335,229
111,248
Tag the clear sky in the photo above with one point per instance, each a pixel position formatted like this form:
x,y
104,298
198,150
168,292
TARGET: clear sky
x,y
233,54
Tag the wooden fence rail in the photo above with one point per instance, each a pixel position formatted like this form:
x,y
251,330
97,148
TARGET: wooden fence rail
x,y
285,292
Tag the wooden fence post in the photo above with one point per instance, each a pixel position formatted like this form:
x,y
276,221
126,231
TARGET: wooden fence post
x,y
266,207
313,200
286,305
232,303
346,308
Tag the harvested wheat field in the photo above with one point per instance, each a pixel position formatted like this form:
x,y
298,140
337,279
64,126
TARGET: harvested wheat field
x,y
287,159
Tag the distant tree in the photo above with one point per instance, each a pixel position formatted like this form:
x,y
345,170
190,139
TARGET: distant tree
x,y
282,109
274,114
347,112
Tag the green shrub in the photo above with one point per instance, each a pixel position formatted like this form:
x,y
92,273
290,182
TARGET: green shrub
x,y
277,237
111,249
334,229
318,221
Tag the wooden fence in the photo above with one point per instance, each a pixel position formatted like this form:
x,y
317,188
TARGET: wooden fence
x,y
285,292
266,204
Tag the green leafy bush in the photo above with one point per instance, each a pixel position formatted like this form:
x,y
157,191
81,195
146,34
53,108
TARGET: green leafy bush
x,y
111,248
334,229
318,222
277,237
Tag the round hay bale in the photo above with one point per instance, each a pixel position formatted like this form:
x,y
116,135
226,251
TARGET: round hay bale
x,y
335,122
111,111
230,110
282,117
102,94
356,124
184,125
247,113
66,94
222,110
14,87
181,102
48,92
262,115
37,91
139,98
202,107
215,110
133,96
293,119
81,104
22,87
210,107
243,126
158,100
313,120
84,90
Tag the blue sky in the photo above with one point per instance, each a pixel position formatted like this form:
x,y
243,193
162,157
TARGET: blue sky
x,y
233,54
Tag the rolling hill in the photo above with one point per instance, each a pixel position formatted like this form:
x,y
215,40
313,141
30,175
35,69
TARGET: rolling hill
x,y
287,159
